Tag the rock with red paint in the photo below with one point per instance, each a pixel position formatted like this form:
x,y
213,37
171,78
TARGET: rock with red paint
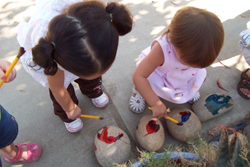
x,y
150,133
212,106
112,145
190,128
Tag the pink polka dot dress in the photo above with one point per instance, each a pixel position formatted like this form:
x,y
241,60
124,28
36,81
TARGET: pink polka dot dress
x,y
173,81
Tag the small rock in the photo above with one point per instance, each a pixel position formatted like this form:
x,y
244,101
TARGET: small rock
x,y
112,145
150,133
191,125
212,105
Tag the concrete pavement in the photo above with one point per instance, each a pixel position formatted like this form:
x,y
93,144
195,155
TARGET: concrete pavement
x,y
29,102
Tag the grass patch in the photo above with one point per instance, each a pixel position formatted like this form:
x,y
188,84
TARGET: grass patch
x,y
206,152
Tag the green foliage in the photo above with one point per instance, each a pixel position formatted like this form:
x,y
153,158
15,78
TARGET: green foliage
x,y
248,143
229,154
226,155
161,161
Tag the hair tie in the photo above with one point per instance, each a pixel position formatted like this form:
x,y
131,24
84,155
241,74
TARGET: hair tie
x,y
110,14
53,44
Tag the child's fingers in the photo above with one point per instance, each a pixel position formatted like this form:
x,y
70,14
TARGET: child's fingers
x,y
166,114
2,74
4,66
156,115
11,76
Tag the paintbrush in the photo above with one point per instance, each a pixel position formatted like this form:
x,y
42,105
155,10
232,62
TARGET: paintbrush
x,y
20,53
93,117
171,119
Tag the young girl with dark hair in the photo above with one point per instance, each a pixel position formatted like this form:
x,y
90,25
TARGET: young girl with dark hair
x,y
72,40
173,67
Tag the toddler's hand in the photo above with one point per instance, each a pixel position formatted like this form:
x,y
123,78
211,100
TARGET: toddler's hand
x,y
4,65
159,110
74,114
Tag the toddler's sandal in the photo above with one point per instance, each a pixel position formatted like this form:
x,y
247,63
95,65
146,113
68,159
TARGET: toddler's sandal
x,y
136,102
244,84
194,98
33,153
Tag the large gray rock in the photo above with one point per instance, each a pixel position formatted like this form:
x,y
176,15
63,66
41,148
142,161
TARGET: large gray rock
x,y
191,124
112,145
212,105
150,133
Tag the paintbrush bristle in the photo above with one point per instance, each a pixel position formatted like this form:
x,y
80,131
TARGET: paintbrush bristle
x,y
101,118
180,123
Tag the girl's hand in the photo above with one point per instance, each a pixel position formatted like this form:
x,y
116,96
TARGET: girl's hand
x,y
4,65
74,114
159,110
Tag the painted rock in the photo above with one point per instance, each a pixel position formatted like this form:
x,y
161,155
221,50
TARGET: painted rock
x,y
212,105
190,128
150,133
112,145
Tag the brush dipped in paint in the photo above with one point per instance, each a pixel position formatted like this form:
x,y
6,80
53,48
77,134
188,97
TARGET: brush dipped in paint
x,y
93,117
20,53
171,119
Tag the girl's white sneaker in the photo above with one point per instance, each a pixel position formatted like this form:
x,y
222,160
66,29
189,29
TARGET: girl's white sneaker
x,y
74,126
101,101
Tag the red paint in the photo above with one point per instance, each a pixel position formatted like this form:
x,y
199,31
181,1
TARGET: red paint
x,y
169,52
184,69
182,94
108,139
192,74
152,127
183,113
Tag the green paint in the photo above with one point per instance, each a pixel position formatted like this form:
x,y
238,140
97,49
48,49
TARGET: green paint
x,y
216,102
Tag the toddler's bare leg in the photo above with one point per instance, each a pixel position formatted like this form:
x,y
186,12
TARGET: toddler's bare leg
x,y
11,151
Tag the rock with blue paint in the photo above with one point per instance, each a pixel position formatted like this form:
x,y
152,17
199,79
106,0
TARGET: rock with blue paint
x,y
212,106
112,145
150,133
191,124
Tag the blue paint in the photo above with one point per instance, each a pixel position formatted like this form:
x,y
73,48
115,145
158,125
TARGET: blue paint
x,y
216,102
185,116
180,123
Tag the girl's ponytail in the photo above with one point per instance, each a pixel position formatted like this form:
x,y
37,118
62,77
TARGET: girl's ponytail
x,y
43,55
120,17
86,37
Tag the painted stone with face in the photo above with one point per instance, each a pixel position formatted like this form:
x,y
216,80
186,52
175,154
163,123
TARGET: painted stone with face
x,y
212,106
112,145
190,128
150,133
